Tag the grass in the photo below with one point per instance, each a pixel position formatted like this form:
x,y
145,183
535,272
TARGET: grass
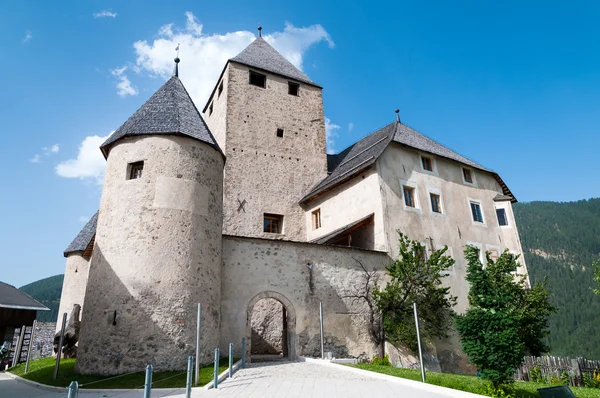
x,y
472,384
42,370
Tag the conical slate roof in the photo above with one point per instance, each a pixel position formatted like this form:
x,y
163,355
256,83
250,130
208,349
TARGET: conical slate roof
x,y
170,110
85,236
260,54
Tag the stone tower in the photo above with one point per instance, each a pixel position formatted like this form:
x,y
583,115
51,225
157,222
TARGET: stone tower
x,y
157,250
268,117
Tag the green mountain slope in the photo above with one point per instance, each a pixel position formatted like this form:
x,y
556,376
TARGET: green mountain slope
x,y
560,241
46,291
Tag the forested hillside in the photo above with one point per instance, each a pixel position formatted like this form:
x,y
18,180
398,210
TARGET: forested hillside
x,y
46,291
560,241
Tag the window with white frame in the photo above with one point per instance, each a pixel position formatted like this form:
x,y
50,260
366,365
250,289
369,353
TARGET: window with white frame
x,y
476,211
502,218
436,202
468,176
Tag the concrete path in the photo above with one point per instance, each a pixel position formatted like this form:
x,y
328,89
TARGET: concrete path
x,y
272,380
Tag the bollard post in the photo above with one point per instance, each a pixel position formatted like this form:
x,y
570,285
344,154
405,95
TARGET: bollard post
x,y
73,390
188,384
322,337
217,353
31,336
60,344
230,359
197,367
148,383
243,352
419,341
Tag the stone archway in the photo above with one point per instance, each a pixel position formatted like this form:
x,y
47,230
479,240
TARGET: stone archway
x,y
290,338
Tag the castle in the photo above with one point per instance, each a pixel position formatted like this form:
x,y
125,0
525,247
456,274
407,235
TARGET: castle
x,y
244,204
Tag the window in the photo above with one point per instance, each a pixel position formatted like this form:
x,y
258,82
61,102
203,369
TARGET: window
x,y
135,170
316,219
435,203
293,88
476,212
280,133
210,109
427,164
467,175
220,89
409,196
502,220
273,223
258,79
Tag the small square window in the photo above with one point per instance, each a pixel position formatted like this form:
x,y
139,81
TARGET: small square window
x,y
476,212
220,89
427,163
272,223
293,88
409,196
280,133
502,220
467,175
258,79
210,109
316,219
135,170
435,203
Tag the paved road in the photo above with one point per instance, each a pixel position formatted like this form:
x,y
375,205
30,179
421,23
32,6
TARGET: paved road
x,y
269,380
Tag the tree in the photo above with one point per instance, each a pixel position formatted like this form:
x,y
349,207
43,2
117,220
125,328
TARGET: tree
x,y
505,320
415,278
596,267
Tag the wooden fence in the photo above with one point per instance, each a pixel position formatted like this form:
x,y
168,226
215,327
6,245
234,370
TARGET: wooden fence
x,y
549,369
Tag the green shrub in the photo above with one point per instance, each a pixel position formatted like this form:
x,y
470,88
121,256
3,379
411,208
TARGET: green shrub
x,y
385,361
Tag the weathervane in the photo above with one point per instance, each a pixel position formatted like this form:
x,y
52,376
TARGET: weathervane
x,y
176,71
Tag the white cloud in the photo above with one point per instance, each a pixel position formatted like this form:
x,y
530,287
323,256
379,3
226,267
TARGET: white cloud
x,y
124,86
28,36
330,134
50,150
203,56
104,14
89,164
350,127
84,219
35,159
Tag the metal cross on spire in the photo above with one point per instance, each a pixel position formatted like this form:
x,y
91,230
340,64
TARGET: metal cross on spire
x,y
176,71
259,30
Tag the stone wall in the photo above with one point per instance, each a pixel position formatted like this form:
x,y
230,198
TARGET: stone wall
x,y
74,285
267,327
156,255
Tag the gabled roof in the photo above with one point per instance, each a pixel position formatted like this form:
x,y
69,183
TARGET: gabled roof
x,y
11,297
261,55
84,238
503,198
363,154
346,229
170,110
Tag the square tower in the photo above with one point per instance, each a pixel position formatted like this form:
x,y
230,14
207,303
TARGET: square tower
x,y
268,118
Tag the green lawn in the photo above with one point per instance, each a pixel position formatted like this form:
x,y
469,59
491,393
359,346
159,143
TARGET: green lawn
x,y
471,383
42,370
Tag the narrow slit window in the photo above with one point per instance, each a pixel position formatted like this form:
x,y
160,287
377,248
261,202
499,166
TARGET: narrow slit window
x,y
280,133
502,220
220,89
135,170
409,196
435,203
258,79
210,109
468,176
316,219
427,163
272,223
293,88
476,212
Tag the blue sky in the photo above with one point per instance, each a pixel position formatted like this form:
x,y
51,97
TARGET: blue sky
x,y
513,86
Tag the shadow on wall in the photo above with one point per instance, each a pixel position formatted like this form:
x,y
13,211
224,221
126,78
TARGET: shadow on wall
x,y
121,333
268,324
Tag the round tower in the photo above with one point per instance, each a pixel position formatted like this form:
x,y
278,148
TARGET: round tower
x,y
157,251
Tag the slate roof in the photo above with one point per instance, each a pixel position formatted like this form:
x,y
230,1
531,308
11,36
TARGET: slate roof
x,y
365,153
502,198
11,297
333,234
83,239
170,110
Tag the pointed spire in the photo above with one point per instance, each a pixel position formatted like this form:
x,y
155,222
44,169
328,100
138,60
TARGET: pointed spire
x,y
397,115
176,70
259,30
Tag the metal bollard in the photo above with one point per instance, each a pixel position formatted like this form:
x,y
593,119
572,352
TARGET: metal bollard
x,y
230,359
188,385
148,383
73,390
217,353
243,352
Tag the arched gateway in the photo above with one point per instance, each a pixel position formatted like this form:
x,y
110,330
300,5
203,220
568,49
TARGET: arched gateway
x,y
289,338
